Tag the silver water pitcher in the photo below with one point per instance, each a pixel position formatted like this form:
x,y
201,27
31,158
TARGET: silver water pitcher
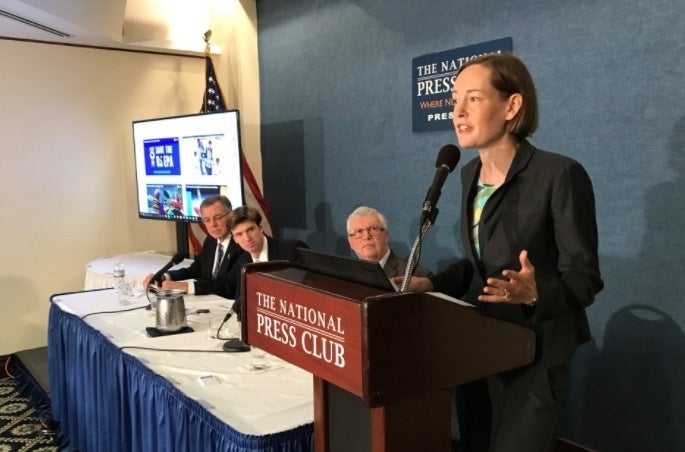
x,y
171,311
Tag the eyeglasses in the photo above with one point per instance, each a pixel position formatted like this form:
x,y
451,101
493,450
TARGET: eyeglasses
x,y
215,218
372,230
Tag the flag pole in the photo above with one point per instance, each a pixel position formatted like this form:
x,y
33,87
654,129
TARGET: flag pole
x,y
183,231
206,37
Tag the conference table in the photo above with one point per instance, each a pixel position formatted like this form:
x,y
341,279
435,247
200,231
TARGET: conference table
x,y
137,265
114,387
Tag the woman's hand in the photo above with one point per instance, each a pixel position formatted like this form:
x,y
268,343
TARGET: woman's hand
x,y
517,287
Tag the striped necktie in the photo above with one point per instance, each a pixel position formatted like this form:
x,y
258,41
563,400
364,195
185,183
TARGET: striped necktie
x,y
217,260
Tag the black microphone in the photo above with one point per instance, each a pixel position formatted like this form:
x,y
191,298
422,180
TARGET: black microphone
x,y
235,309
229,314
447,160
235,345
157,278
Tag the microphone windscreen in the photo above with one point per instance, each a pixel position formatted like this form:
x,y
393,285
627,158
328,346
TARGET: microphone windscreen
x,y
448,156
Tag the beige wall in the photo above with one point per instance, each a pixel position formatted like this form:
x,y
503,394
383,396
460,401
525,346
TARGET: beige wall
x,y
239,66
66,159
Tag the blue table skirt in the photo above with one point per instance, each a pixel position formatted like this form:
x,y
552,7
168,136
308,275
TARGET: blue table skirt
x,y
106,400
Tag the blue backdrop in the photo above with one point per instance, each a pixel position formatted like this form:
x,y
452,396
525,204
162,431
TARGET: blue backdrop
x,y
337,133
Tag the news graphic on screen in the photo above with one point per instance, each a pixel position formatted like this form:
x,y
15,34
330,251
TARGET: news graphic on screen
x,y
181,160
194,195
162,157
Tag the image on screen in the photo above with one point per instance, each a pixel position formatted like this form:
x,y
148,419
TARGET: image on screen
x,y
181,160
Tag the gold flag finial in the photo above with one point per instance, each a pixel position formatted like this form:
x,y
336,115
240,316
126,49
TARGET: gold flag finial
x,y
207,36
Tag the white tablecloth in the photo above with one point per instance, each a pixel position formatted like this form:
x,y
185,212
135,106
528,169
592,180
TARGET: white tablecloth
x,y
137,267
252,402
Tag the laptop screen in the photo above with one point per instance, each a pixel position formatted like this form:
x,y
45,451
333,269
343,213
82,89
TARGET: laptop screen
x,y
359,271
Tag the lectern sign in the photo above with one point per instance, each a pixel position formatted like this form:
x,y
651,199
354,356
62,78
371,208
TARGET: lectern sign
x,y
311,329
397,352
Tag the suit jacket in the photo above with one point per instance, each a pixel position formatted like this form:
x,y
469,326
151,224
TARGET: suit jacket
x,y
278,249
203,266
395,266
546,205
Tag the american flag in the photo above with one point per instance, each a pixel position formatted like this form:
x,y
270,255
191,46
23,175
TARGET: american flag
x,y
213,100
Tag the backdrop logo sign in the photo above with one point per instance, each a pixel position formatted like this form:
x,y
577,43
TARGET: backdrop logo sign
x,y
433,78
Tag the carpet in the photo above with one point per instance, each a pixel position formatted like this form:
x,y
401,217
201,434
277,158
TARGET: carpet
x,y
21,430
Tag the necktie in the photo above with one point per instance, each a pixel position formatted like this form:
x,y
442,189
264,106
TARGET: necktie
x,y
217,260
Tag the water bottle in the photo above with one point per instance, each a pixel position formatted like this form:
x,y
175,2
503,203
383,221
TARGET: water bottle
x,y
119,275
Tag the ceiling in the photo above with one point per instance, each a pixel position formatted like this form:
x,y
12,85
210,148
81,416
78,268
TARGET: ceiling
x,y
175,26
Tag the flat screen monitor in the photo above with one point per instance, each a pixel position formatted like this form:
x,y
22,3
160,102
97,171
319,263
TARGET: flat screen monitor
x,y
181,160
355,270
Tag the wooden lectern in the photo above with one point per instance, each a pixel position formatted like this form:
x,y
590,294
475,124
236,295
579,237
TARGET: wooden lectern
x,y
382,362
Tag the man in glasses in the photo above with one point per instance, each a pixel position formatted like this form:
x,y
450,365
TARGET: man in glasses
x,y
245,225
367,234
208,273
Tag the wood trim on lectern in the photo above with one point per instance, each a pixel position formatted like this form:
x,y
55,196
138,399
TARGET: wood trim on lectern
x,y
320,415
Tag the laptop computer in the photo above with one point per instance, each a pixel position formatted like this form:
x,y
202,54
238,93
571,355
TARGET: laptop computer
x,y
346,268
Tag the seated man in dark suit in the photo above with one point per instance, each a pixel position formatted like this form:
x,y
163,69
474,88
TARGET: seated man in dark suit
x,y
245,224
367,233
208,273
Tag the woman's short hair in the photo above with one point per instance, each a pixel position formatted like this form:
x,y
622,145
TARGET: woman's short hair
x,y
509,75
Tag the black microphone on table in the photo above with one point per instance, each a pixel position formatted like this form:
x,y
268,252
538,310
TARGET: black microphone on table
x,y
232,311
447,160
235,345
157,278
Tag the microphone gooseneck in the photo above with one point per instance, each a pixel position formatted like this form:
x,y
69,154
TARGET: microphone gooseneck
x,y
447,160
235,345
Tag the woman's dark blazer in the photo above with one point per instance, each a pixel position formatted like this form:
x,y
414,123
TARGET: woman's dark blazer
x,y
546,206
